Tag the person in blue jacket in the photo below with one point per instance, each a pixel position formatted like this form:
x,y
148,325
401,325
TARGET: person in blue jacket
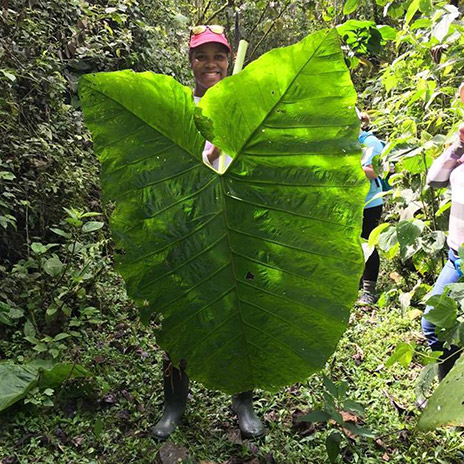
x,y
372,147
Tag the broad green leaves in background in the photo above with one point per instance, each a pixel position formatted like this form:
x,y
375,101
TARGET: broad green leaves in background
x,y
446,314
403,237
350,6
445,407
16,380
253,271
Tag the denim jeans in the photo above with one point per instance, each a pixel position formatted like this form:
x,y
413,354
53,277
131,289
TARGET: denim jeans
x,y
448,275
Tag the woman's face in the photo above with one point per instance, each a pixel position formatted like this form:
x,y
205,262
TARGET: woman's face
x,y
209,64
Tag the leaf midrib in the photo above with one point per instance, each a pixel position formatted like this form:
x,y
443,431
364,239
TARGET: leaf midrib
x,y
277,102
236,280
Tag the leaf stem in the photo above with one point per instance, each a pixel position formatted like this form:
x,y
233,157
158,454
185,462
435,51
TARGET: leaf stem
x,y
241,52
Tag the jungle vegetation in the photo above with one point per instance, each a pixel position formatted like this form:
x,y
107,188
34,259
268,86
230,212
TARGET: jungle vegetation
x,y
80,374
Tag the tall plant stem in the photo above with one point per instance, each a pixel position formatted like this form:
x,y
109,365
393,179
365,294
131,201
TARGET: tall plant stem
x,y
433,206
202,11
241,52
219,11
282,11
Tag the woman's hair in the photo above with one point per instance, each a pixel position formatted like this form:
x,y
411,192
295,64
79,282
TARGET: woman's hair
x,y
365,120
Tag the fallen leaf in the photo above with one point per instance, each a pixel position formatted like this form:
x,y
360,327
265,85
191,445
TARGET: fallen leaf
x,y
349,417
99,359
294,389
234,436
61,435
110,398
303,428
143,354
358,356
271,416
253,449
124,415
77,441
170,453
129,397
380,444
269,458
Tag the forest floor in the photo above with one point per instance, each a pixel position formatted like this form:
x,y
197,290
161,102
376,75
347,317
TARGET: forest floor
x,y
108,418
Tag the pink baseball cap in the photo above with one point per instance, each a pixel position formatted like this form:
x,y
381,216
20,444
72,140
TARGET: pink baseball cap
x,y
208,35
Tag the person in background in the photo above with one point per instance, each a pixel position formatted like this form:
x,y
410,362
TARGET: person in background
x,y
372,147
448,170
209,59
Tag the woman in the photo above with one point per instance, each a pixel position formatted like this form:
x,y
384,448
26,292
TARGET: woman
x,y
448,170
209,59
372,210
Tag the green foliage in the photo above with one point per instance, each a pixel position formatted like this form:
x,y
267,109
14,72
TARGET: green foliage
x,y
447,314
414,106
47,160
47,164
344,415
125,367
49,304
445,407
403,354
364,39
17,380
350,6
237,257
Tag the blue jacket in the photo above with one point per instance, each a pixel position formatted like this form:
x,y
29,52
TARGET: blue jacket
x,y
372,147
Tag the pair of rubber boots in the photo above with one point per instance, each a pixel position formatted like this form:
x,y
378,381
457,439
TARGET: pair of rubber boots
x,y
176,386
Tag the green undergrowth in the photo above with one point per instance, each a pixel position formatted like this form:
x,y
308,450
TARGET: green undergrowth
x,y
107,419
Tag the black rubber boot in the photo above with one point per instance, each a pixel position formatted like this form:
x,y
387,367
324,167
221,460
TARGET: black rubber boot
x,y
447,361
176,384
249,423
369,295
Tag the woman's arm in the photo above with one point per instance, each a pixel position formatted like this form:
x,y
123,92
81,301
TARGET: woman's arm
x,y
369,171
439,173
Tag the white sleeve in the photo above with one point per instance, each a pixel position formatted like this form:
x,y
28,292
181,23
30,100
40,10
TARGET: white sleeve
x,y
439,173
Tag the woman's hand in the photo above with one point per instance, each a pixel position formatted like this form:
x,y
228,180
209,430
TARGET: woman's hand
x,y
212,153
461,132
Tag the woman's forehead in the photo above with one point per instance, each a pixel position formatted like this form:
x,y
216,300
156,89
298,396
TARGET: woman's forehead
x,y
210,47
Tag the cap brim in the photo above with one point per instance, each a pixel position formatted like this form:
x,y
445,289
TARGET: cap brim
x,y
208,37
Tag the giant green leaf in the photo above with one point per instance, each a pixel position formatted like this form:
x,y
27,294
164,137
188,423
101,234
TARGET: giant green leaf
x,y
15,382
253,271
446,405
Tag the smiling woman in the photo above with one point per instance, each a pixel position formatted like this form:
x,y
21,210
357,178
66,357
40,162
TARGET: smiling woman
x,y
209,59
209,65
253,269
